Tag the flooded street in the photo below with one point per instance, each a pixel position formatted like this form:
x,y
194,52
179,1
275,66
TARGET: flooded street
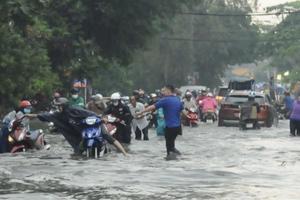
x,y
217,163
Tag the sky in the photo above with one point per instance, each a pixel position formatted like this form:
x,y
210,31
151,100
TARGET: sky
x,y
262,4
267,3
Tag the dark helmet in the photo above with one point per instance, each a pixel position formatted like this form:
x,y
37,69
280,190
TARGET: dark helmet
x,y
135,93
74,91
194,93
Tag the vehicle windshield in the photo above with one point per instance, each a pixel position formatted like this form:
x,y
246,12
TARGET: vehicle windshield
x,y
242,99
223,92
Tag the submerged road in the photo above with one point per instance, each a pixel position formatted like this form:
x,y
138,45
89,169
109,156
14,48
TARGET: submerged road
x,y
217,163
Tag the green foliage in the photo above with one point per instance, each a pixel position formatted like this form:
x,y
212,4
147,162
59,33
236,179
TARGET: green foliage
x,y
45,44
112,78
24,68
283,42
118,44
199,45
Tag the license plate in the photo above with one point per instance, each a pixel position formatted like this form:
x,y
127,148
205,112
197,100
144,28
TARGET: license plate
x,y
249,125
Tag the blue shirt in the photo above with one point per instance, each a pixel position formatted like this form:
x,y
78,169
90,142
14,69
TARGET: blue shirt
x,y
288,102
172,107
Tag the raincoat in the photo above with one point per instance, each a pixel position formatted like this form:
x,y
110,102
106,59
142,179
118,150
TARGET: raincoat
x,y
296,111
161,125
209,104
69,123
140,123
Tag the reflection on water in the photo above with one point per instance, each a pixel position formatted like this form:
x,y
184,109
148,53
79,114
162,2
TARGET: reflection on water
x,y
217,163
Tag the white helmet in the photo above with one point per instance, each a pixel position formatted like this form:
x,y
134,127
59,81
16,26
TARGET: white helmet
x,y
115,96
100,96
210,94
97,97
188,93
125,98
153,95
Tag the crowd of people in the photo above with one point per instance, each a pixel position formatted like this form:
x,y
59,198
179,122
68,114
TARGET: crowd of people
x,y
136,114
165,110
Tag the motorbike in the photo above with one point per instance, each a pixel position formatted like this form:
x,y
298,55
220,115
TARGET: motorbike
x,y
20,139
209,115
248,124
191,118
111,126
282,112
92,140
248,117
200,109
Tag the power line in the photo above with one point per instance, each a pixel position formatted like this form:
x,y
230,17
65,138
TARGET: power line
x,y
228,41
238,15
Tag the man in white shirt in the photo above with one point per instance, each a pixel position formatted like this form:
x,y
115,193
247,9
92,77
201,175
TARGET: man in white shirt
x,y
139,122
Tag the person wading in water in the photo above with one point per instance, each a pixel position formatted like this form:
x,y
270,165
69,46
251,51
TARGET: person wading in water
x,y
172,107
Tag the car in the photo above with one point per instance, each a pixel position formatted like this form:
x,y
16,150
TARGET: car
x,y
221,94
229,112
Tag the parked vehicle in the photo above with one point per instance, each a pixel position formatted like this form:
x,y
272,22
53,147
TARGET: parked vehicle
x,y
229,112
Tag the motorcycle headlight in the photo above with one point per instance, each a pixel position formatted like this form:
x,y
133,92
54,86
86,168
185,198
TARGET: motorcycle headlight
x,y
90,134
91,120
111,119
10,139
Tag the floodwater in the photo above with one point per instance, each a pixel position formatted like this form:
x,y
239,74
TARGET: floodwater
x,y
217,163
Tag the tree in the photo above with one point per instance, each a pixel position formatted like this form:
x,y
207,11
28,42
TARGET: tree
x,y
198,45
25,68
53,42
282,42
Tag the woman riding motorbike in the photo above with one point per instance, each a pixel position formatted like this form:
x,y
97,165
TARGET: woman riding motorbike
x,y
190,106
208,105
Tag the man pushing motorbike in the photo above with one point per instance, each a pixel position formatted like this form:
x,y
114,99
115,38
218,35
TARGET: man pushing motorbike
x,y
69,122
